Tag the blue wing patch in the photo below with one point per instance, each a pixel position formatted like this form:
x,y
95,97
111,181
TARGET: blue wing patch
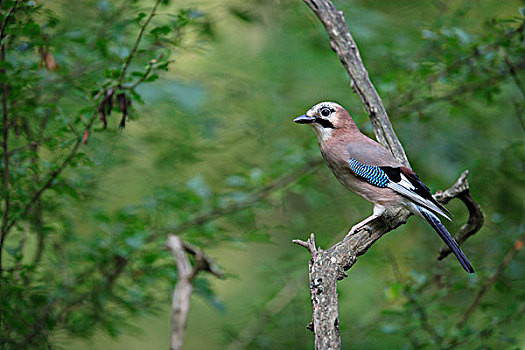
x,y
370,173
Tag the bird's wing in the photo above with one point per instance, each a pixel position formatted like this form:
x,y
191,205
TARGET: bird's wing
x,y
367,151
401,180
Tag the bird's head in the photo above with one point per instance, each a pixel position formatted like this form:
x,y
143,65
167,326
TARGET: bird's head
x,y
325,117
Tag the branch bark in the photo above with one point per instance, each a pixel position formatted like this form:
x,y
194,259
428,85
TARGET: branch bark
x,y
344,45
184,285
461,190
326,267
181,293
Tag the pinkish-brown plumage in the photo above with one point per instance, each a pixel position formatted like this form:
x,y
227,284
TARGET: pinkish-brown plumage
x,y
366,168
345,142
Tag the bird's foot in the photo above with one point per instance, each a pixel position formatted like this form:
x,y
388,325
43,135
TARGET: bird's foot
x,y
360,225
352,231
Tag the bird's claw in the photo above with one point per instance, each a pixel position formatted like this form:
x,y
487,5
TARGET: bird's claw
x,y
352,231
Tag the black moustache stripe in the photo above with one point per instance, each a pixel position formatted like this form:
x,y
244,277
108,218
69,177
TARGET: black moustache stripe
x,y
324,123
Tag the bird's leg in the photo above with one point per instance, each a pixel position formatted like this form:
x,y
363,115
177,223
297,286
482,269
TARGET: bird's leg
x,y
378,211
361,224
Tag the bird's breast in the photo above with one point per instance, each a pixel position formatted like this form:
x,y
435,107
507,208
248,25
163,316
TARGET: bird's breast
x,y
338,163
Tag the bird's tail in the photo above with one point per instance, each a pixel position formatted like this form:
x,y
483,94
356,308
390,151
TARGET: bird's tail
x,y
436,224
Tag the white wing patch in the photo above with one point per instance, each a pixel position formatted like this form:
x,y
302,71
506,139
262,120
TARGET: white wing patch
x,y
406,183
405,188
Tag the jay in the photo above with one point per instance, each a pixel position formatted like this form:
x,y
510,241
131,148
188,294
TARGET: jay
x,y
366,168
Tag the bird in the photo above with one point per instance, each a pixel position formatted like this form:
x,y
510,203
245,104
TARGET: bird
x,y
369,170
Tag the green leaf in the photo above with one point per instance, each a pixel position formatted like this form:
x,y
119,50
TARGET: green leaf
x,y
152,77
139,17
31,29
243,15
112,73
161,30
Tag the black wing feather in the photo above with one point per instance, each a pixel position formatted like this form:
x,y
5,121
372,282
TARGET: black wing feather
x,y
394,174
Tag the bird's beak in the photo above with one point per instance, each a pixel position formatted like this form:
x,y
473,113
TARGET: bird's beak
x,y
304,119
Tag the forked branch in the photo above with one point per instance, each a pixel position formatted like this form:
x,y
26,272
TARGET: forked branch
x,y
328,266
461,190
184,285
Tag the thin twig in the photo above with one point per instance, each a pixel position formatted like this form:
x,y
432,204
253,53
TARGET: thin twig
x,y
23,148
202,261
53,175
107,22
145,75
5,147
198,220
517,312
137,41
309,244
514,75
518,245
279,183
7,18
454,94
519,113
273,307
421,313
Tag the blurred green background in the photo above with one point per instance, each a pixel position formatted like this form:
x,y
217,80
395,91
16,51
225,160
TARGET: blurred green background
x,y
217,127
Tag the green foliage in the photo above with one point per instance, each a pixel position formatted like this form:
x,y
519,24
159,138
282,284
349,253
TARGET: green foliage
x,y
215,158
61,85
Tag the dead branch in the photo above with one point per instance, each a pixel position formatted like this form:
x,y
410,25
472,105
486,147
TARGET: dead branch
x,y
476,217
184,286
344,45
328,266
273,307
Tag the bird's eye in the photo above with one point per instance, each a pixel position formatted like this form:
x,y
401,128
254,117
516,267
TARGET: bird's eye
x,y
325,112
